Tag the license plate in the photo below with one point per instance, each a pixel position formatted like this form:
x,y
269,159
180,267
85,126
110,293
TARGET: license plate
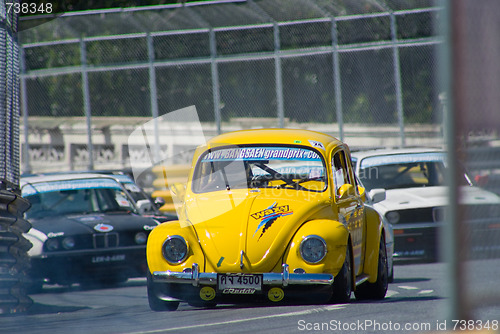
x,y
239,283
108,258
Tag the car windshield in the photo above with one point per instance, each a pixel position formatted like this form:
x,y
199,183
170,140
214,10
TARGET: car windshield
x,y
63,198
135,192
279,167
403,171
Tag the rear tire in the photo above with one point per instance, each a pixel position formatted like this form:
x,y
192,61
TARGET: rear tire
x,y
378,289
156,304
342,283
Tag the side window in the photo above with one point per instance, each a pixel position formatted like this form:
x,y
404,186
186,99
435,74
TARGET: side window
x,y
340,172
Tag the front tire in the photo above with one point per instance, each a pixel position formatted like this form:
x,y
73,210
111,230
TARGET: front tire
x,y
378,289
342,284
156,304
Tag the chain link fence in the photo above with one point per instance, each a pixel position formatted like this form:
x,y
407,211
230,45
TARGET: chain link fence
x,y
14,261
362,71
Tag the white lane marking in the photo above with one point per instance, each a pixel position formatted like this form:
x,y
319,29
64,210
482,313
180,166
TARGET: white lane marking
x,y
407,287
391,293
280,315
424,292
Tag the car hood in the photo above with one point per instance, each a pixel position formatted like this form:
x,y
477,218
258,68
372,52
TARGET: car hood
x,y
249,231
414,198
91,223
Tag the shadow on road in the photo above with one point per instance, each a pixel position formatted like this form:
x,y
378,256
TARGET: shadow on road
x,y
37,308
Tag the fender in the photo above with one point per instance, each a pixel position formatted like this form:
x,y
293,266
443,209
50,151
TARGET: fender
x,y
155,259
336,237
37,239
374,229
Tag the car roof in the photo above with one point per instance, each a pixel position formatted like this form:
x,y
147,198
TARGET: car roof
x,y
123,178
392,151
62,177
275,136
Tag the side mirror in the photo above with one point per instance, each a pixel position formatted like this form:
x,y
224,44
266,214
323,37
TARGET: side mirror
x,y
144,206
159,202
345,191
376,195
362,193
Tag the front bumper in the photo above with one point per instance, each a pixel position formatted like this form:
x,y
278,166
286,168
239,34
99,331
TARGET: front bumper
x,y
66,267
285,278
416,241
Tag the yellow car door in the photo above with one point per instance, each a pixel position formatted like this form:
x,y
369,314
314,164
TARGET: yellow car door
x,y
349,205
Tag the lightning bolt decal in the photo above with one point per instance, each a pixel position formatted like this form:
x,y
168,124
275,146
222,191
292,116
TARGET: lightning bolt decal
x,y
269,216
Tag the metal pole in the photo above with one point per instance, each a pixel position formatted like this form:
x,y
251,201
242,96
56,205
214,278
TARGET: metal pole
x,y
397,80
336,79
153,97
450,62
24,108
86,102
279,76
215,80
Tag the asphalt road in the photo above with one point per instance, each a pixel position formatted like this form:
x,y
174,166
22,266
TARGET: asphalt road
x,y
415,302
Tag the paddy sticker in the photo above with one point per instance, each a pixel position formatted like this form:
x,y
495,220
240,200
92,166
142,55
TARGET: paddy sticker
x,y
275,294
268,216
207,293
316,144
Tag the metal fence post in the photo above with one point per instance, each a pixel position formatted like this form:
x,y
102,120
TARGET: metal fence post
x,y
153,96
397,79
279,76
86,101
215,80
336,80
24,107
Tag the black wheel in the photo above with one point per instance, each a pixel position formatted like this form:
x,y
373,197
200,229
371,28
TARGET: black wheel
x,y
378,289
342,283
156,304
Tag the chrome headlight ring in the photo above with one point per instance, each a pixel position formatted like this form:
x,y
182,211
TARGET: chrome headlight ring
x,y
313,249
175,249
68,243
52,244
393,217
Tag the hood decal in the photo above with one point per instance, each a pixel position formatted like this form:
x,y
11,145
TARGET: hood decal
x,y
103,228
268,216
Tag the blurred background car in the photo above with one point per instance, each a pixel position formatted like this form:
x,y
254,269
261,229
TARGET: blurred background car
x,y
414,180
86,229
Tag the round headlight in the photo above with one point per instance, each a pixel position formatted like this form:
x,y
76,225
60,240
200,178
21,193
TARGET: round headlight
x,y
313,249
68,243
140,238
392,217
175,249
52,244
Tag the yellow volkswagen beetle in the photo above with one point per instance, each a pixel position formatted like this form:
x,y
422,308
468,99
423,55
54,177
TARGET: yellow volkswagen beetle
x,y
273,215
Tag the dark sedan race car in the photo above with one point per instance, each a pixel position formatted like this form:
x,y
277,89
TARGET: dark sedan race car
x,y
86,230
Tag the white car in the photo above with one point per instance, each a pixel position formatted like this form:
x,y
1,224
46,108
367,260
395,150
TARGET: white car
x,y
416,196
